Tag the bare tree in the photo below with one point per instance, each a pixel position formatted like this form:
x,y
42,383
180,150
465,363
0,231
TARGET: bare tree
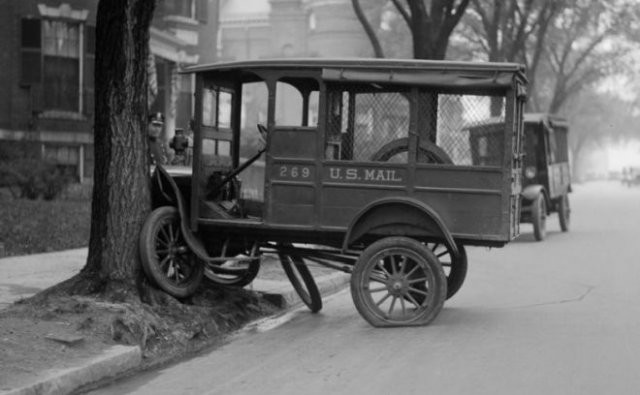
x,y
585,45
121,195
512,31
431,28
431,23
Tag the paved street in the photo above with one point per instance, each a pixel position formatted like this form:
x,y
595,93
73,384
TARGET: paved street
x,y
557,317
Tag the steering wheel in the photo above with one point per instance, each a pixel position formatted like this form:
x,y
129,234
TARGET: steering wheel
x,y
263,132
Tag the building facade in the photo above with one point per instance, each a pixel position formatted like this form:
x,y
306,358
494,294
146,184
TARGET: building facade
x,y
49,50
48,70
256,29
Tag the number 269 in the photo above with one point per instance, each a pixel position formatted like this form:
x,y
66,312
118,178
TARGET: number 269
x,y
294,172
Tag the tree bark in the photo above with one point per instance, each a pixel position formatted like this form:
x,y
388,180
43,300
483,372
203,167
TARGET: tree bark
x,y
121,192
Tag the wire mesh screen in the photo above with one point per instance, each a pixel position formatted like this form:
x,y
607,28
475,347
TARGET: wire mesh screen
x,y
471,129
362,122
368,123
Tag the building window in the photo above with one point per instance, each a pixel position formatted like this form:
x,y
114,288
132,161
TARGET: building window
x,y
185,8
57,65
61,65
190,9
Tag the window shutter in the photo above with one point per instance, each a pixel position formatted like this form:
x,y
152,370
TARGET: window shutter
x,y
31,52
202,11
88,70
31,36
90,34
88,85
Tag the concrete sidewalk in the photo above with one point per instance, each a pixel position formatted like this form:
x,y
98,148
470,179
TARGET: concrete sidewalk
x,y
24,276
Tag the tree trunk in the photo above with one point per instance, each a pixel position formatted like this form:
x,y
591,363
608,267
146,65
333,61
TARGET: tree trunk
x,y
121,193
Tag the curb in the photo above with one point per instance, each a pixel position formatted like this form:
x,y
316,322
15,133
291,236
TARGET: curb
x,y
114,361
288,297
120,359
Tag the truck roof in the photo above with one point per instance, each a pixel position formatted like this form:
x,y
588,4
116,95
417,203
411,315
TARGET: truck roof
x,y
358,63
440,73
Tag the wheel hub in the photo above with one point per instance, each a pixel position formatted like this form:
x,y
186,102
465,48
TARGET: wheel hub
x,y
397,285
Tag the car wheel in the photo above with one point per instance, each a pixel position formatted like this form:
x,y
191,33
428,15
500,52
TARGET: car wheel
x,y
539,217
398,281
302,281
165,256
454,269
564,213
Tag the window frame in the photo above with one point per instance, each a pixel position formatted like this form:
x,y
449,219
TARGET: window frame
x,y
86,52
342,109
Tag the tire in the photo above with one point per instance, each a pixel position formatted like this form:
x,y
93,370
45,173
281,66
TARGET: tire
x,y
454,270
539,217
564,213
417,273
427,150
165,255
302,281
241,279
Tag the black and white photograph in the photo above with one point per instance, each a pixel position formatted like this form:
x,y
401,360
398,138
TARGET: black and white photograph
x,y
257,197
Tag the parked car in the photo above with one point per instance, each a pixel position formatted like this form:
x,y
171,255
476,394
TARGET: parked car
x,y
630,176
547,173
373,176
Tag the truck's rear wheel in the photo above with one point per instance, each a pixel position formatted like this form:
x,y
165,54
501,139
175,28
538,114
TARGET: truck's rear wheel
x,y
398,281
454,269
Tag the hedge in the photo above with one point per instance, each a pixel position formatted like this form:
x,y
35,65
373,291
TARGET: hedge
x,y
33,226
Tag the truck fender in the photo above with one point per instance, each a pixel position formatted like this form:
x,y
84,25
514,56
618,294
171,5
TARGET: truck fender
x,y
530,192
423,215
172,195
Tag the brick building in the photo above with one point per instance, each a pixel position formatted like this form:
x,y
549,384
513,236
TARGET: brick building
x,y
48,50
254,29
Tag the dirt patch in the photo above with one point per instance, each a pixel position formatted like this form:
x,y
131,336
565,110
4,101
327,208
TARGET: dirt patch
x,y
28,347
61,332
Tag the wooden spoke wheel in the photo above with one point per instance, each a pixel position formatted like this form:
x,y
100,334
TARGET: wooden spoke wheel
x,y
234,272
302,280
539,217
398,281
243,272
564,213
166,258
454,269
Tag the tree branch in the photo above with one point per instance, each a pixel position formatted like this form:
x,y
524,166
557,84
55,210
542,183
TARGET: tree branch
x,y
585,54
403,12
373,38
